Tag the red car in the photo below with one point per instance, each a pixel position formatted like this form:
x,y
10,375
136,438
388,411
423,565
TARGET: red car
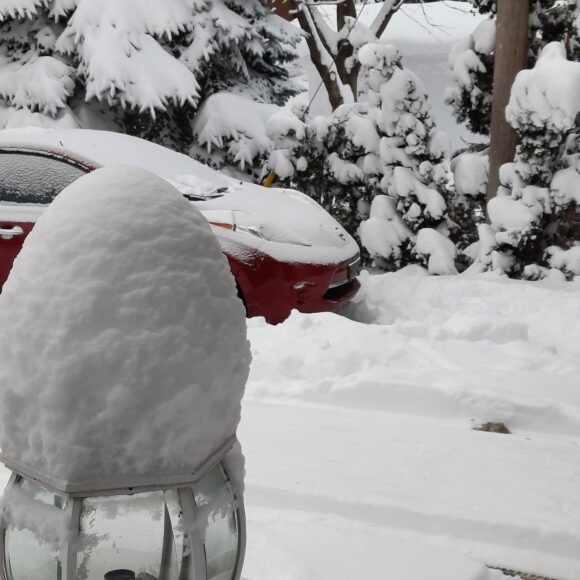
x,y
284,250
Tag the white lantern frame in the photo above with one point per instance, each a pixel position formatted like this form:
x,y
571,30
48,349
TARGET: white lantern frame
x,y
182,484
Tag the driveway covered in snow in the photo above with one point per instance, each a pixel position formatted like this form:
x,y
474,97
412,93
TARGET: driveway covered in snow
x,y
358,430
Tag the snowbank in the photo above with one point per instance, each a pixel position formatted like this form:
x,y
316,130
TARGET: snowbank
x,y
454,347
123,351
370,433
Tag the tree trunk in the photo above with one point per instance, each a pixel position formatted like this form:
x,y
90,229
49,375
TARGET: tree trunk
x,y
345,49
321,51
332,88
282,8
511,56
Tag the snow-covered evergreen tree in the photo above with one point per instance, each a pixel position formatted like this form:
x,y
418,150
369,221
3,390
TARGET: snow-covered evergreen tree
x,y
471,64
409,223
379,165
467,205
141,66
471,60
325,157
533,217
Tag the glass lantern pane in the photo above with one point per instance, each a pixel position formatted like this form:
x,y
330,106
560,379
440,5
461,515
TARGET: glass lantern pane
x,y
142,533
28,555
215,502
30,558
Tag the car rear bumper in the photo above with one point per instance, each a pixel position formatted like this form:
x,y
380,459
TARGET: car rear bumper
x,y
273,289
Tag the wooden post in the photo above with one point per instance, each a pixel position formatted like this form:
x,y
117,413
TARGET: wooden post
x,y
511,56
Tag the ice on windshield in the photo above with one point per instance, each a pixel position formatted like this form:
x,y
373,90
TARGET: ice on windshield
x,y
34,178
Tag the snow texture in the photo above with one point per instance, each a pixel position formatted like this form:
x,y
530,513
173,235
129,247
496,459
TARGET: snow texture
x,y
546,94
471,61
384,232
565,260
123,352
42,84
376,410
440,250
236,124
470,172
50,524
387,143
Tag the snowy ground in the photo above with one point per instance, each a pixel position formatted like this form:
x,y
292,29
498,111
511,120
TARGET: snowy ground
x,y
362,461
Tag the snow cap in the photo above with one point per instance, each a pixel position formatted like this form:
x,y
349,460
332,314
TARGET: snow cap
x,y
123,352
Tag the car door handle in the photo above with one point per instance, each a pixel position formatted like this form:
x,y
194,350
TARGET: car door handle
x,y
7,234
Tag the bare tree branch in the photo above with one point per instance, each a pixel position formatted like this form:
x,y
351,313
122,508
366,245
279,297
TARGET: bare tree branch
x,y
331,51
345,12
384,16
321,58
323,30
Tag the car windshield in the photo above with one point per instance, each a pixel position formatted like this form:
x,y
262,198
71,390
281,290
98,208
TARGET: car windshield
x,y
34,177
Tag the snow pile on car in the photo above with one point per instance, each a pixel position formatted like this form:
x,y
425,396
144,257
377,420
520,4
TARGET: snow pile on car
x,y
123,351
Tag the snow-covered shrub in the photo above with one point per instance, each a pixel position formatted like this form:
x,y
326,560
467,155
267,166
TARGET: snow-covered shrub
x,y
325,158
471,64
380,165
467,204
141,66
472,59
536,204
410,164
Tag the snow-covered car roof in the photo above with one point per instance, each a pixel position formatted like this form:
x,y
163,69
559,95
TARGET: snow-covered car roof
x,y
283,210
108,148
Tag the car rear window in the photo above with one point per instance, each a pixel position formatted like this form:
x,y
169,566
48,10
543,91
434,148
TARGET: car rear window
x,y
30,177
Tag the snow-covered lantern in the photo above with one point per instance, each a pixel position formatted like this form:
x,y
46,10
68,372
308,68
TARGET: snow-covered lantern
x,y
123,360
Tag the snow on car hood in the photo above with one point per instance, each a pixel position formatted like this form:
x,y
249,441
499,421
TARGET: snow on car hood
x,y
286,216
296,228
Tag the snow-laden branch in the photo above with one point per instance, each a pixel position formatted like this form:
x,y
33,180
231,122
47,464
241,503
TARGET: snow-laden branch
x,y
327,36
384,16
323,60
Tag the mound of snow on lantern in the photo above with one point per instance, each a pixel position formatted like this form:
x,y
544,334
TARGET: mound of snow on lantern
x,y
123,352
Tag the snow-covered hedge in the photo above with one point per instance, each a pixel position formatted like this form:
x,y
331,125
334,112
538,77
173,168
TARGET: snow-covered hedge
x,y
534,215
